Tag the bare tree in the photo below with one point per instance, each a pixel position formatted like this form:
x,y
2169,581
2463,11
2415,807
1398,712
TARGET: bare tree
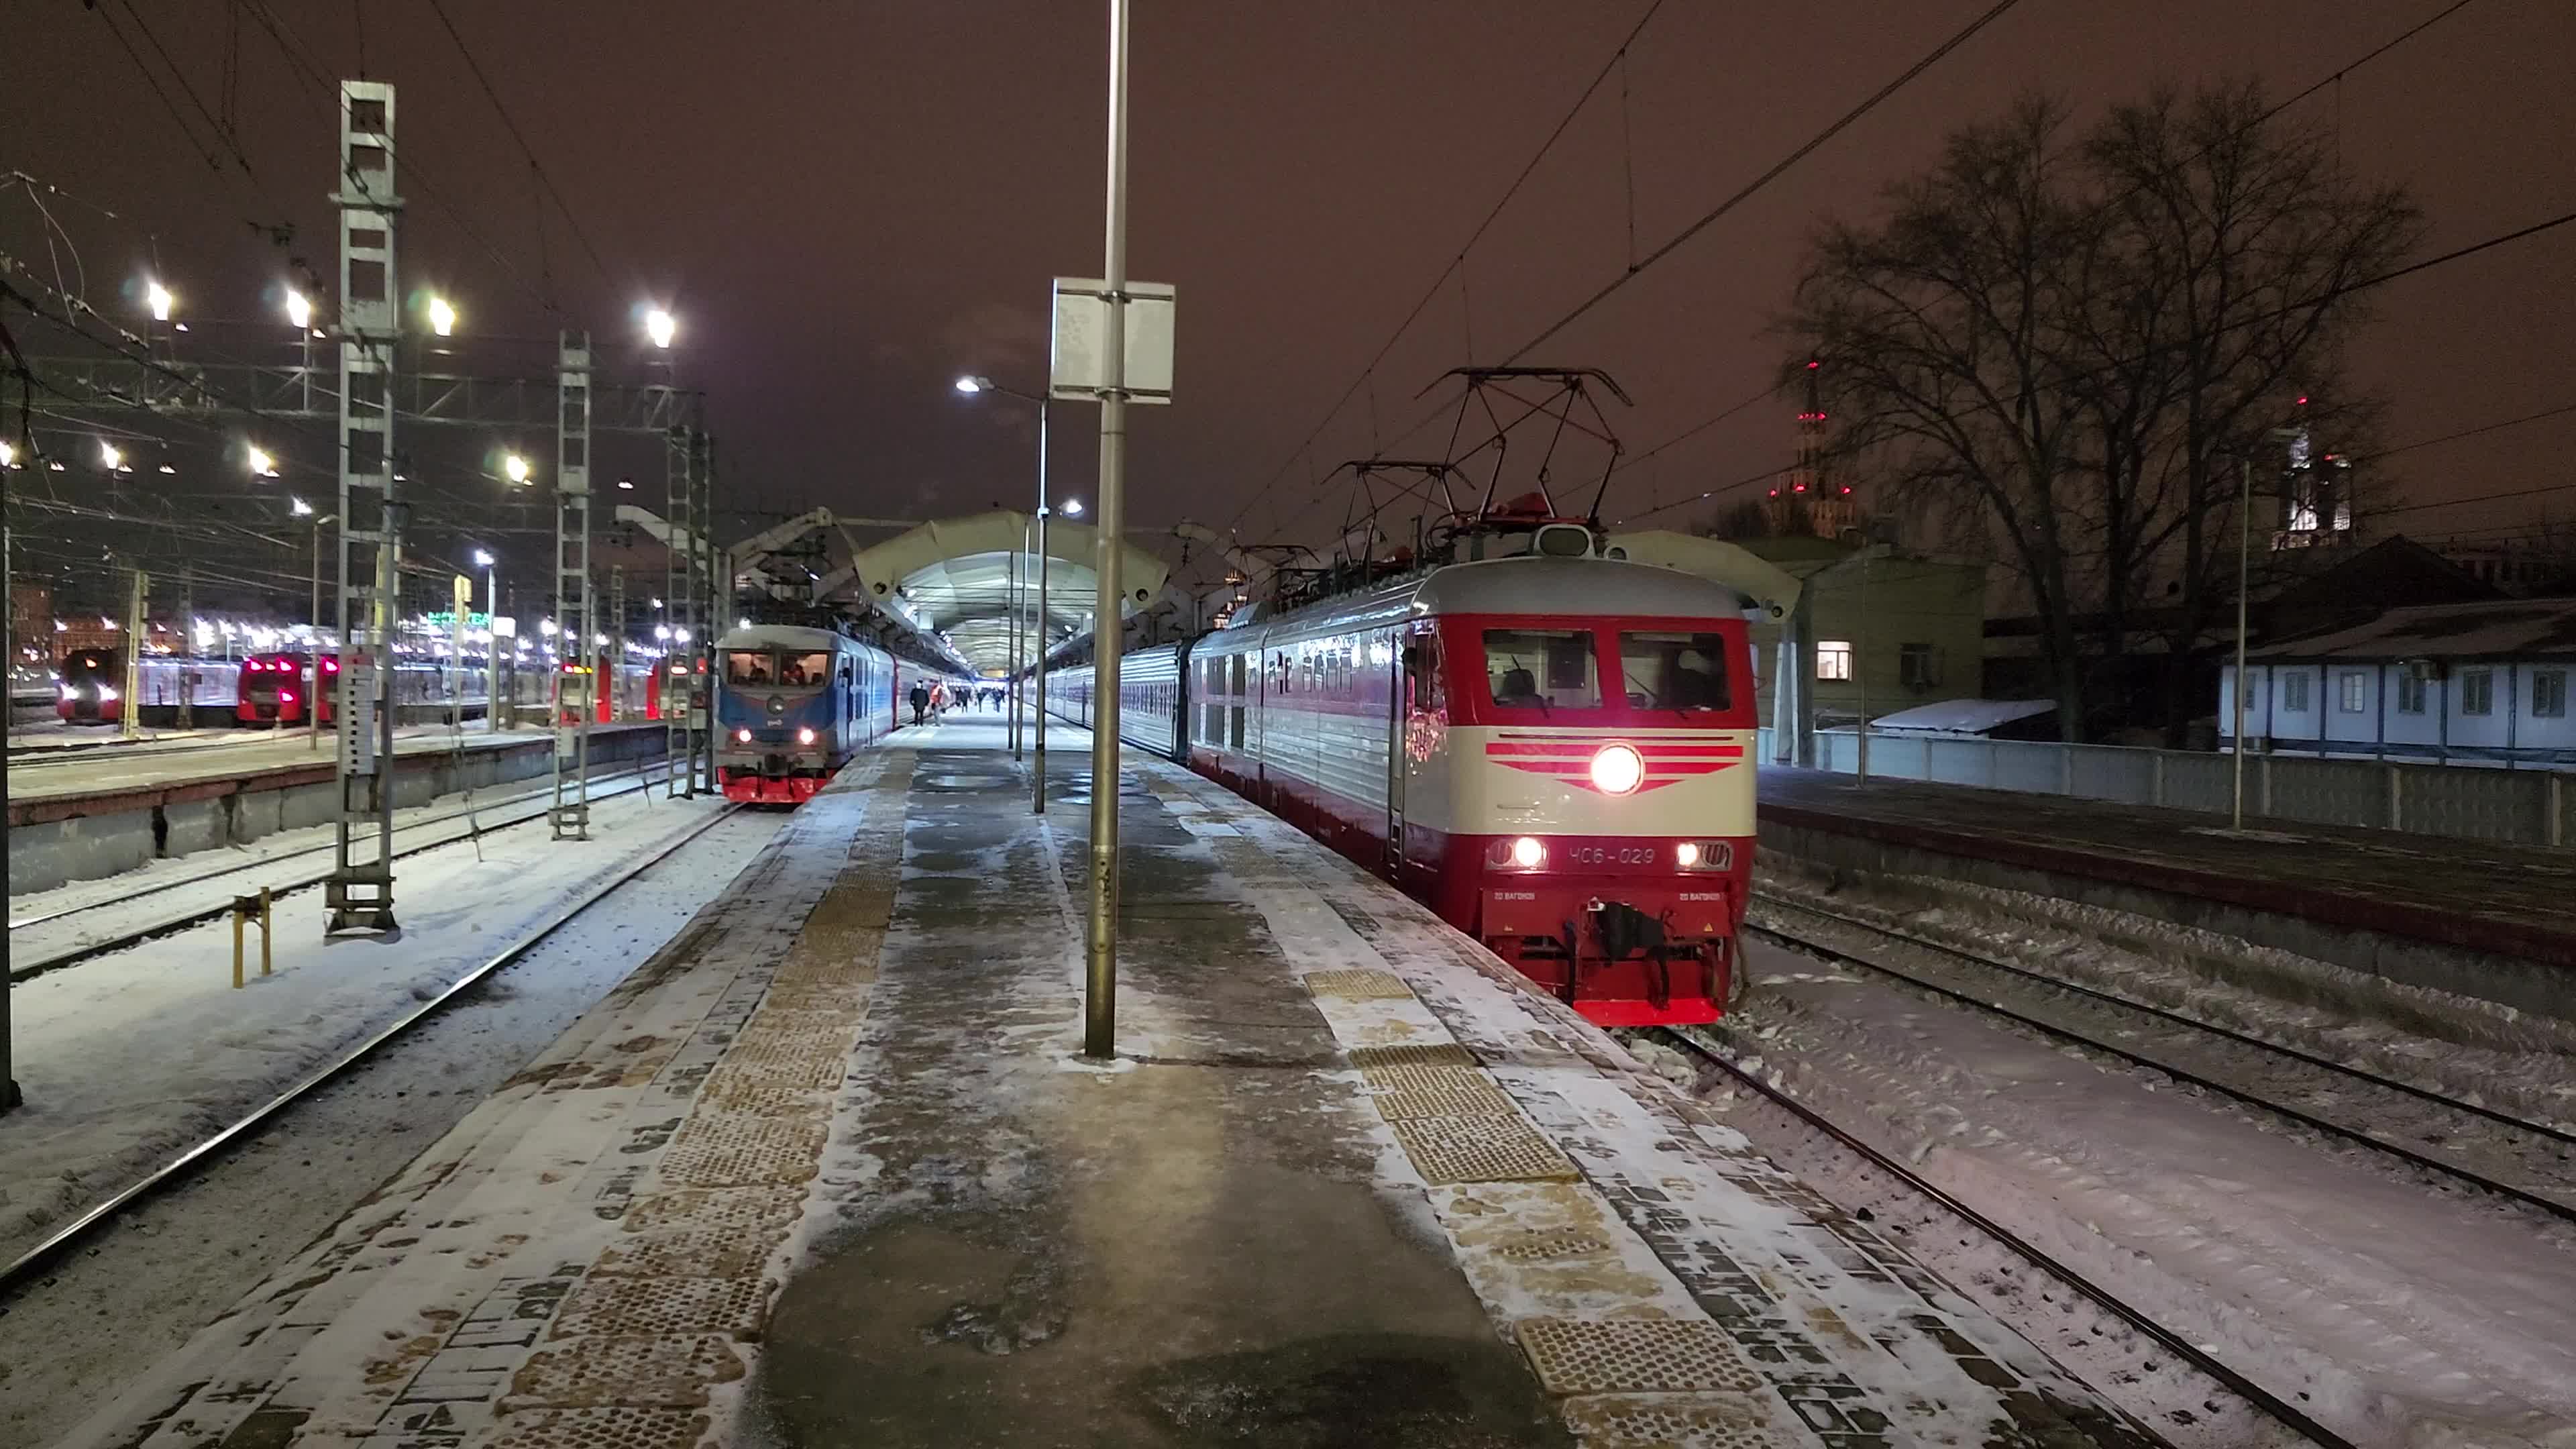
x,y
2072,344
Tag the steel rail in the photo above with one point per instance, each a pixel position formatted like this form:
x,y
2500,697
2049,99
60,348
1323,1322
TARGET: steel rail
x,y
2181,1347
2553,1206
2438,1099
21,1272
20,923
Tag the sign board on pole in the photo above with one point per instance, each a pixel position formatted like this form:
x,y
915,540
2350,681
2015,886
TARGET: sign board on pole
x,y
1079,364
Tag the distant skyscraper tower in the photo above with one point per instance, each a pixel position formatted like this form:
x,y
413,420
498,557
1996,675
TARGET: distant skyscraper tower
x,y
1805,500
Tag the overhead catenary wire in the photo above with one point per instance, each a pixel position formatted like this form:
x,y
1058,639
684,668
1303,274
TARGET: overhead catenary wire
x,y
1980,22
439,8
1457,260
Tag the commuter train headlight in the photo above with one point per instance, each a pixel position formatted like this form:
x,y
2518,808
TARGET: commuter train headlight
x,y
742,737
1705,855
1528,853
107,694
1617,769
804,737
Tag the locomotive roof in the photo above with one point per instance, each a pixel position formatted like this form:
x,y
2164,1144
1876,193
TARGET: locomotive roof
x,y
1521,584
781,635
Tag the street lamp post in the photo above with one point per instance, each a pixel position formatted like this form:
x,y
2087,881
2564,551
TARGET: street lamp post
x,y
491,639
313,655
1037,739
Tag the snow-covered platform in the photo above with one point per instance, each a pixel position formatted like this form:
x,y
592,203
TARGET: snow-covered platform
x,y
2462,915
830,1170
91,814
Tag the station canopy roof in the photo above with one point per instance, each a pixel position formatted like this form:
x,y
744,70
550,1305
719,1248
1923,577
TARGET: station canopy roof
x,y
973,581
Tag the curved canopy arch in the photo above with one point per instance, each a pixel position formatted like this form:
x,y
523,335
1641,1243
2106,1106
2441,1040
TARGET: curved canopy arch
x,y
973,581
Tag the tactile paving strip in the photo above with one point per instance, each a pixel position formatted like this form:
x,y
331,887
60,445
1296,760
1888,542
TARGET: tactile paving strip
x,y
1634,1355
1540,1244
757,1094
735,1307
1677,1421
725,1149
754,1213
631,1373
1437,1092
1480,1149
684,1253
1359,985
604,1429
777,1041
1412,1054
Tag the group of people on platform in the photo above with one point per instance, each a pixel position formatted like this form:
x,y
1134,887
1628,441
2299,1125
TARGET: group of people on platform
x,y
930,701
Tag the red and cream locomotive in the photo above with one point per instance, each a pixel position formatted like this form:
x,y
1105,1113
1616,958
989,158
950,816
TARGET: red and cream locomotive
x,y
1553,750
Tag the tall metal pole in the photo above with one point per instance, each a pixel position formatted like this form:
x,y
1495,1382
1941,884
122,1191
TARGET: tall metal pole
x,y
1100,976
313,655
130,718
188,646
1012,610
492,709
360,892
1860,673
2244,553
1037,744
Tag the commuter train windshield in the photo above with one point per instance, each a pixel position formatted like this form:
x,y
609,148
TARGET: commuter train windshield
x,y
1670,669
777,669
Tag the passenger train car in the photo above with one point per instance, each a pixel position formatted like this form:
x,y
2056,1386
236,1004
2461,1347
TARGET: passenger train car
x,y
792,706
93,683
1554,753
273,687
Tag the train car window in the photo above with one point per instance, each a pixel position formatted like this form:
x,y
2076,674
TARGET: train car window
x,y
1672,670
799,670
1541,669
1234,674
750,666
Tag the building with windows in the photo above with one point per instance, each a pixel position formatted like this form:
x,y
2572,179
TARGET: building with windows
x,y
1892,629
2479,683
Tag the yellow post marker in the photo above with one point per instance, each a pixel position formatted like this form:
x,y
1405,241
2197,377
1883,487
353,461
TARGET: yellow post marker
x,y
243,907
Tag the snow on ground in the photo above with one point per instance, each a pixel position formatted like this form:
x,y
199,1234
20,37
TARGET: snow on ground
x,y
177,1263
210,879
2460,1045
2397,1316
129,1058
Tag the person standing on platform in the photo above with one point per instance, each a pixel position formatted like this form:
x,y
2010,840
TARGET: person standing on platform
x,y
920,703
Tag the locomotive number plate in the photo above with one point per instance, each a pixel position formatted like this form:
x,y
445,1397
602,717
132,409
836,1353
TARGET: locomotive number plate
x,y
1614,855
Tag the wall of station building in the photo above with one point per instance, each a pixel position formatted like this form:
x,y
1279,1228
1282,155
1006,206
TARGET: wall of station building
x,y
2500,711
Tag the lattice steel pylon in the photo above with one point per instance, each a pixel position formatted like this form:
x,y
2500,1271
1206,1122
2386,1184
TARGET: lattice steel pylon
x,y
680,685
573,607
359,895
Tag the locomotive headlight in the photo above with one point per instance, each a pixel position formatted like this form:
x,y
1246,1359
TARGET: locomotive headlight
x,y
1617,769
804,737
1528,853
107,694
1705,855
742,737
1686,854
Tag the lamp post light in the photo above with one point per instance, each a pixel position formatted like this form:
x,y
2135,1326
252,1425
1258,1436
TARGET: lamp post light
x,y
158,298
491,568
298,508
515,468
442,317
970,386
262,463
660,327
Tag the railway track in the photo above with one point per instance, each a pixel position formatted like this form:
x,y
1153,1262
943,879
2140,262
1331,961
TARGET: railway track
x,y
30,1265
21,969
2216,1380
2532,1163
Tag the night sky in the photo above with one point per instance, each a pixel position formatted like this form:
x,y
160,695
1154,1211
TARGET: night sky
x,y
848,204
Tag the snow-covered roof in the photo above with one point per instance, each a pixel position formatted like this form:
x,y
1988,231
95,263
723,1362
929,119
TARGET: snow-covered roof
x,y
2503,629
1961,716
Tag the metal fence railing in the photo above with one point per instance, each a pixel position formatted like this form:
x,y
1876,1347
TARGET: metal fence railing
x,y
2516,807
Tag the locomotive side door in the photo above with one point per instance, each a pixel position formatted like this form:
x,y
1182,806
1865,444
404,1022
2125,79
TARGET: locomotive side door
x,y
1416,685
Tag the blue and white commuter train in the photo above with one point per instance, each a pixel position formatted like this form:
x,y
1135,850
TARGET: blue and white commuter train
x,y
793,705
